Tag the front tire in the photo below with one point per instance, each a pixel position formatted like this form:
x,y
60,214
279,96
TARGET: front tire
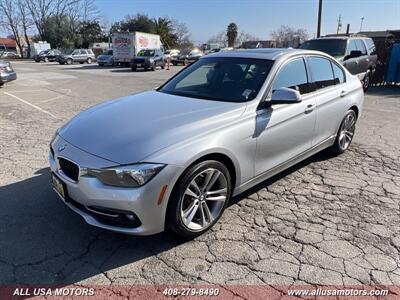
x,y
69,61
199,199
89,61
345,134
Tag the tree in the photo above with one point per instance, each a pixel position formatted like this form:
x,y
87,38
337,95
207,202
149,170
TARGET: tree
x,y
12,20
139,22
231,33
219,38
245,37
89,32
26,23
182,34
287,36
164,28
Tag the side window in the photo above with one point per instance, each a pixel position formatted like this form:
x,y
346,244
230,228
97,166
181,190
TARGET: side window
x,y
293,75
337,73
83,52
352,46
321,71
361,47
370,46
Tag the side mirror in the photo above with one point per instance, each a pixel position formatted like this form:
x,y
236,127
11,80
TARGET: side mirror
x,y
285,96
354,54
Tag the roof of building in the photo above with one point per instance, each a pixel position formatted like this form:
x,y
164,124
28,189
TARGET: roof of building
x,y
9,43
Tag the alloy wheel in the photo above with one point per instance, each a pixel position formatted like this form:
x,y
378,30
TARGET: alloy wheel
x,y
347,130
204,199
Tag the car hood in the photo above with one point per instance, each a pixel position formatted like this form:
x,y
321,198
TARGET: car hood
x,y
129,129
105,57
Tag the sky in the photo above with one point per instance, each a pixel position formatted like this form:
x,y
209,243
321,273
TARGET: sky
x,y
205,18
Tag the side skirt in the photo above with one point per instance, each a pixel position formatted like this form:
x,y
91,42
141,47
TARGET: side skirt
x,y
283,166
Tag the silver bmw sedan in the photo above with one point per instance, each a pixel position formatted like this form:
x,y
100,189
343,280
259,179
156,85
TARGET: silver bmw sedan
x,y
172,158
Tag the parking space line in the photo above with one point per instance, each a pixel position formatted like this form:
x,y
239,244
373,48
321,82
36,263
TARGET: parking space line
x,y
32,105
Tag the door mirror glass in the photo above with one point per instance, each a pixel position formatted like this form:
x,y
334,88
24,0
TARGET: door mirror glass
x,y
285,96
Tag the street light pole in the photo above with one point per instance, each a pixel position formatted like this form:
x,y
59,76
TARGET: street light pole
x,y
362,20
319,19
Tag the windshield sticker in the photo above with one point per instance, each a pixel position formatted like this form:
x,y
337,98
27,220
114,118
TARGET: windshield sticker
x,y
246,93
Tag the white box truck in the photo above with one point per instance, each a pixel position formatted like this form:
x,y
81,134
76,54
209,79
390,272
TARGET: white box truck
x,y
127,44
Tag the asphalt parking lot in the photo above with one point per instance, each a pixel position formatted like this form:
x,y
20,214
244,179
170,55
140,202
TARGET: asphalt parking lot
x,y
328,220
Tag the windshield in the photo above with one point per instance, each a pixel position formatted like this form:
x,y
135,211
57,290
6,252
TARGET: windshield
x,y
146,53
334,47
220,79
185,51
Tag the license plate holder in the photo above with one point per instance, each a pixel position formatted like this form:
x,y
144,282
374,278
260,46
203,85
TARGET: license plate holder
x,y
59,186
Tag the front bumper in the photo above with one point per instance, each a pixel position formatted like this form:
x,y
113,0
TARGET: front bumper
x,y
142,64
89,192
7,76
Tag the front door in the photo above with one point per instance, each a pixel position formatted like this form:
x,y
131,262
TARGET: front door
x,y
285,131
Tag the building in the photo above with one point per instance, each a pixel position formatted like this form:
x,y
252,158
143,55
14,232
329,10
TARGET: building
x,y
7,44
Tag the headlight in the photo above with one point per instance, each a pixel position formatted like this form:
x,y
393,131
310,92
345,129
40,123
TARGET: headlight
x,y
151,60
127,176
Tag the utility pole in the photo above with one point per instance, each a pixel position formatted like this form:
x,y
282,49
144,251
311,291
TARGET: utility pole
x,y
362,20
319,19
339,24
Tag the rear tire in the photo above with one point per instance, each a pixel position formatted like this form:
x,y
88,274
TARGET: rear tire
x,y
345,134
366,81
198,199
89,61
69,61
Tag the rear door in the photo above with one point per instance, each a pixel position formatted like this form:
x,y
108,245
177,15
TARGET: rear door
x,y
351,64
363,60
328,80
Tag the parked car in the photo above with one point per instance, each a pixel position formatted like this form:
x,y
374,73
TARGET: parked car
x,y
9,54
7,72
106,59
357,54
171,53
194,55
173,157
182,58
148,59
47,55
77,55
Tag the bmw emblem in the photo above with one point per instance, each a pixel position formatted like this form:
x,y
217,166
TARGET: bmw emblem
x,y
62,147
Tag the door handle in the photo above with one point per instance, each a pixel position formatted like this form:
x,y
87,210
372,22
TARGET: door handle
x,y
309,108
343,93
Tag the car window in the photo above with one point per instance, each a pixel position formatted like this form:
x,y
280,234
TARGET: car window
x,y
361,47
334,47
83,52
370,46
352,46
321,70
338,74
75,52
220,79
292,75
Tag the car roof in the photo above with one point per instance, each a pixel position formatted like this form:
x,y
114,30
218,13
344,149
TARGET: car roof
x,y
265,53
340,37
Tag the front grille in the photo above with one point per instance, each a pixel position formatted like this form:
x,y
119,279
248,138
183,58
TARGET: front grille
x,y
69,168
139,60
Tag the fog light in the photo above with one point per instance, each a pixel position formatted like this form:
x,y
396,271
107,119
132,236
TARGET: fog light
x,y
130,217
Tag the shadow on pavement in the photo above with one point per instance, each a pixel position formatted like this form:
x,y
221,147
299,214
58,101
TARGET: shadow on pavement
x,y
392,91
43,242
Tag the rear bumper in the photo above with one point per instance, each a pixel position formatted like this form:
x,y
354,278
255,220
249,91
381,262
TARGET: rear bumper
x,y
7,76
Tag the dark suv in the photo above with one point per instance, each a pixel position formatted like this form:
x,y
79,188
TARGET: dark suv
x,y
357,54
148,59
47,55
